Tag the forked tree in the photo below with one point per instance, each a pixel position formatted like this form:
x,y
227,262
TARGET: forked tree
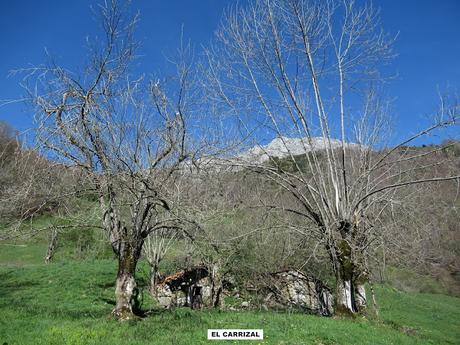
x,y
311,70
126,133
157,245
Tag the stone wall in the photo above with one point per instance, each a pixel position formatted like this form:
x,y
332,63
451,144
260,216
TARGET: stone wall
x,y
293,289
288,289
188,288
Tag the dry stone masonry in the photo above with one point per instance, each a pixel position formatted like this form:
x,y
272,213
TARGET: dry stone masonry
x,y
288,289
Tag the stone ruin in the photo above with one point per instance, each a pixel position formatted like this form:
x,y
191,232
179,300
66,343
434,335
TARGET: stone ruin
x,y
286,290
294,290
187,288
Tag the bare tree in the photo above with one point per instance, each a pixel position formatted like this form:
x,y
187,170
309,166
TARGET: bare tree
x,y
311,70
52,246
418,229
156,246
28,183
127,134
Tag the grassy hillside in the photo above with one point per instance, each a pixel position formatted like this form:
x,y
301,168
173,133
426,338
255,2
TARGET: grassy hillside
x,y
69,302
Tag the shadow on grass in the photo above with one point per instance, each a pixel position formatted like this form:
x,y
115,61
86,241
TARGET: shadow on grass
x,y
107,300
138,310
145,313
76,314
7,280
9,286
106,285
15,285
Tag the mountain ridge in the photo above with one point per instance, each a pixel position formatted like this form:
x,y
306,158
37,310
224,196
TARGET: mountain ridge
x,y
281,147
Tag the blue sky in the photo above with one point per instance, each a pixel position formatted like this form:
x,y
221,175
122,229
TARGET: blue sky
x,y
428,45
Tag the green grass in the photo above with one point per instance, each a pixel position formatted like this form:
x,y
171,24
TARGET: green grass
x,y
69,302
410,281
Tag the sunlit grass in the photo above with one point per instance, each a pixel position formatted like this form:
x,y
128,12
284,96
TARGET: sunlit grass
x,y
69,302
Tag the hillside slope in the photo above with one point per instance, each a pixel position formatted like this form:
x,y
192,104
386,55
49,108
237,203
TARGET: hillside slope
x,y
69,302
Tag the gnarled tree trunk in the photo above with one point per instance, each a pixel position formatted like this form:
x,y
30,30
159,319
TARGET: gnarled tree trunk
x,y
344,303
350,289
126,287
350,296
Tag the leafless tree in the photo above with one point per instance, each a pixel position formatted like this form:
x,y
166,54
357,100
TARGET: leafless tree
x,y
419,230
127,134
156,247
311,70
27,182
52,245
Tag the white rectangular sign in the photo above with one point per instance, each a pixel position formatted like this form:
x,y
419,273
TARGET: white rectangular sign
x,y
235,334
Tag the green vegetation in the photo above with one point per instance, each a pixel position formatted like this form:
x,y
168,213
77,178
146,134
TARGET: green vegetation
x,y
69,302
409,281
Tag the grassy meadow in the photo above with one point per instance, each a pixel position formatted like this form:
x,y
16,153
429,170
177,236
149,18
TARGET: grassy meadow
x,y
69,302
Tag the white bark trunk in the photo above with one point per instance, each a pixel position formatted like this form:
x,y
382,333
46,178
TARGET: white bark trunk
x,y
344,297
360,297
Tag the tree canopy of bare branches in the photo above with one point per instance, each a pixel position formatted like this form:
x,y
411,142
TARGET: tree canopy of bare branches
x,y
312,70
126,133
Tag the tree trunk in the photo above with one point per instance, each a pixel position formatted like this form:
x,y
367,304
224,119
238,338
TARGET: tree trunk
x,y
346,284
344,299
126,288
52,245
360,297
216,280
374,301
350,296
154,277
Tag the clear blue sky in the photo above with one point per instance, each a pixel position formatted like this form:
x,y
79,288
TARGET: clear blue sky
x,y
428,44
